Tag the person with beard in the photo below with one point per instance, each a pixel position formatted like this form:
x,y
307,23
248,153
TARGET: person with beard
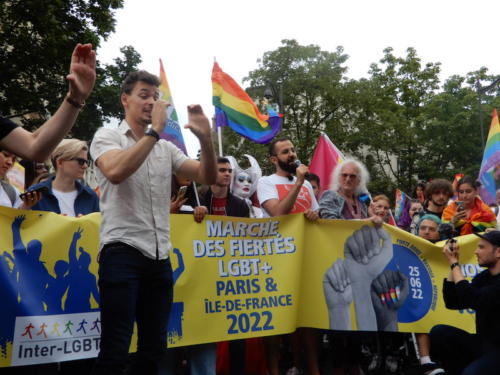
x,y
462,352
437,194
282,193
286,191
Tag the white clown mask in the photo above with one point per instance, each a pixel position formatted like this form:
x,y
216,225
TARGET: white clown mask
x,y
244,181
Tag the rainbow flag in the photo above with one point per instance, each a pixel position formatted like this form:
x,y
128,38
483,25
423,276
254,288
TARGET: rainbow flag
x,y
489,173
401,209
172,131
234,108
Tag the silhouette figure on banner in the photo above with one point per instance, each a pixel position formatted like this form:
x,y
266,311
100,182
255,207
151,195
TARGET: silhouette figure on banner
x,y
8,296
82,283
32,275
174,326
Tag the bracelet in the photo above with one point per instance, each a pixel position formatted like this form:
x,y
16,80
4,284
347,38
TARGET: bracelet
x,y
74,103
456,264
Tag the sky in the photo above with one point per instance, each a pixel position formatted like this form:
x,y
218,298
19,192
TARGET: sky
x,y
188,34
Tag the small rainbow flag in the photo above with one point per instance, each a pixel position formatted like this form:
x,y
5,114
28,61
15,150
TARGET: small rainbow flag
x,y
172,131
489,173
402,201
234,108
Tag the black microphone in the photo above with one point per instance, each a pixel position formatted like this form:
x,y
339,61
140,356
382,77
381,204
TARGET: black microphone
x,y
297,164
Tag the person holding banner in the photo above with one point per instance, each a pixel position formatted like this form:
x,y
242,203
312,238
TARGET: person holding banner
x,y
346,199
427,229
460,351
39,144
218,200
134,168
288,192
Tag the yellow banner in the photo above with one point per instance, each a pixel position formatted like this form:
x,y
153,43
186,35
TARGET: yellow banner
x,y
234,278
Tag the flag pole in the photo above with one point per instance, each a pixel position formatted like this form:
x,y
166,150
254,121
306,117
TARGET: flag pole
x,y
219,138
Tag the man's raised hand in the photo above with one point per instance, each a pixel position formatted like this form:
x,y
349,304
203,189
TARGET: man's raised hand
x,y
82,74
198,123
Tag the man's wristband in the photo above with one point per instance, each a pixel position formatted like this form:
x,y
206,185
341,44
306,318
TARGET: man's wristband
x,y
152,133
456,264
74,103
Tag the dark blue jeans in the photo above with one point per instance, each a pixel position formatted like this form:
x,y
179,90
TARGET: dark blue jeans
x,y
462,353
133,288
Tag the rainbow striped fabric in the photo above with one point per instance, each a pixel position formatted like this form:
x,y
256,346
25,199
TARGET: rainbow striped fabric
x,y
234,108
490,167
172,131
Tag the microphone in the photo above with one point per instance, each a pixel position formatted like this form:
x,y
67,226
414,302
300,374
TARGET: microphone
x,y
297,164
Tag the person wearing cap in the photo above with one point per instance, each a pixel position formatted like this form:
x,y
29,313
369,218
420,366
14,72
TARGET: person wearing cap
x,y
460,351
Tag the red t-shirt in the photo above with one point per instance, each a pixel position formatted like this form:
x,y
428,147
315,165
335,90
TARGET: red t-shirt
x,y
219,206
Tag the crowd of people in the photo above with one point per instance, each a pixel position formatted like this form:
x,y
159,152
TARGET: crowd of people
x,y
134,165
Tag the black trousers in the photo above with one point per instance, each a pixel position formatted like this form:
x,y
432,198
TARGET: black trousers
x,y
133,287
462,353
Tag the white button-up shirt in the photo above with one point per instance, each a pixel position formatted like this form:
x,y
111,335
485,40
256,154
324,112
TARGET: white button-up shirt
x,y
136,211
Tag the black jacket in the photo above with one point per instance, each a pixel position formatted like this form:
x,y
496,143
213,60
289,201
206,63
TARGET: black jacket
x,y
235,206
482,295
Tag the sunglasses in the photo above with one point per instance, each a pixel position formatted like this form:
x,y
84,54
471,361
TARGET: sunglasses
x,y
81,161
346,175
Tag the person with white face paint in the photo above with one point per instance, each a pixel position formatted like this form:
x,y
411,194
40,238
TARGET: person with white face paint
x,y
244,183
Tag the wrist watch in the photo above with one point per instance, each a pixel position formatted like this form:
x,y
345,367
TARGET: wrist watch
x,y
74,103
456,264
152,133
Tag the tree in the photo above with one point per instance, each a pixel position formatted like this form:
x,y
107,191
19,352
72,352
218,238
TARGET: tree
x,y
390,117
36,40
308,84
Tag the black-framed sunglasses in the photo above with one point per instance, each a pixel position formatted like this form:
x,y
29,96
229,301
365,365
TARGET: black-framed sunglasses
x,y
81,161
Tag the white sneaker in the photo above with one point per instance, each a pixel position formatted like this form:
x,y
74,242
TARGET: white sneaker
x,y
293,371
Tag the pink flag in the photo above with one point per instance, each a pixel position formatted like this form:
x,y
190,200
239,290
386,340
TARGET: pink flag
x,y
325,158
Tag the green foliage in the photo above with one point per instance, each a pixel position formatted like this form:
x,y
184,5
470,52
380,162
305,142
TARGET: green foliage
x,y
308,86
399,121
36,41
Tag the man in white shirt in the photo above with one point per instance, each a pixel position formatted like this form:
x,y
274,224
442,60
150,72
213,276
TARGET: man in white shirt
x,y
134,175
282,193
286,191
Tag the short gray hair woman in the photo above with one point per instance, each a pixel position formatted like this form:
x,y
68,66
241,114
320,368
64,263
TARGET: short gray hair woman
x,y
347,184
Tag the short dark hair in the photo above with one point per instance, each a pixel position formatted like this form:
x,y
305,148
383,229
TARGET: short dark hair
x,y
469,180
221,160
437,185
273,144
139,76
313,177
